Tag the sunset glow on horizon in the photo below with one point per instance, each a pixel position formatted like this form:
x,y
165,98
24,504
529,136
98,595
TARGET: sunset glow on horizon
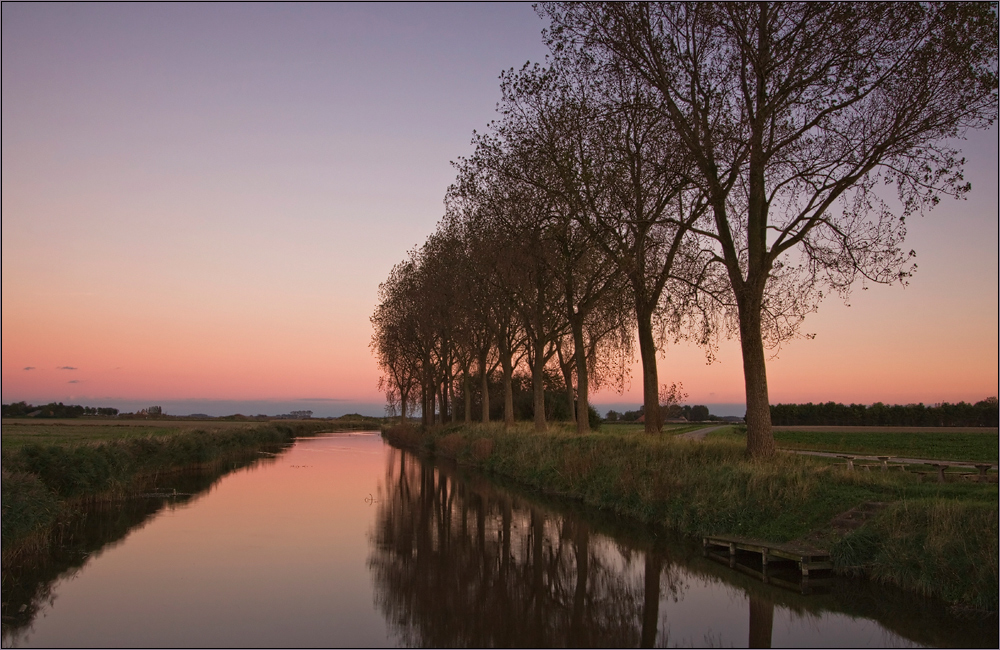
x,y
200,201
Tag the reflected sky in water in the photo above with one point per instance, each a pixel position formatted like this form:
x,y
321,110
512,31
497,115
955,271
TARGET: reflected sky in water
x,y
343,541
273,556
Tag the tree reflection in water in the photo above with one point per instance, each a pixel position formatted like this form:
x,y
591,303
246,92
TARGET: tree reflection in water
x,y
761,621
461,563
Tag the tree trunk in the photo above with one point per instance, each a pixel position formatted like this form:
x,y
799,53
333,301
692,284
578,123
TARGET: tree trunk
x,y
431,402
567,371
570,396
760,439
650,388
582,381
508,392
443,409
423,404
467,391
485,387
451,395
538,388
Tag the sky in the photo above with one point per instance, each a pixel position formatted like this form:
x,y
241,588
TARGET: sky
x,y
200,201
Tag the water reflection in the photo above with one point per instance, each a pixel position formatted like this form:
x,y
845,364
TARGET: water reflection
x,y
343,541
88,532
458,560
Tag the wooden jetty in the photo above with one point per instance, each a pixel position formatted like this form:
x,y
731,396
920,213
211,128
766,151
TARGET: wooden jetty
x,y
808,558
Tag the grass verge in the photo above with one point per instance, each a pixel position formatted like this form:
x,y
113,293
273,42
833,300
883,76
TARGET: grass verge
x,y
709,487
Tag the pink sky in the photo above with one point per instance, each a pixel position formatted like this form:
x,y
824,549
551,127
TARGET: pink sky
x,y
199,202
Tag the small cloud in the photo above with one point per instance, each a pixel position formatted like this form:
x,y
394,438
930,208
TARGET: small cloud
x,y
73,381
29,367
65,368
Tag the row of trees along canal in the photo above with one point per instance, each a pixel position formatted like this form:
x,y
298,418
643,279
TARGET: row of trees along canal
x,y
683,171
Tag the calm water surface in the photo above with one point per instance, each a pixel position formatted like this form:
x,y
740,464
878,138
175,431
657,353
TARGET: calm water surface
x,y
342,540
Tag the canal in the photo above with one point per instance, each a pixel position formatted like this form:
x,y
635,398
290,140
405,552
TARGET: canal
x,y
343,540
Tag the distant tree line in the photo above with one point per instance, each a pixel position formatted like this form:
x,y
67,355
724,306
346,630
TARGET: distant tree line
x,y
691,413
963,414
55,410
680,171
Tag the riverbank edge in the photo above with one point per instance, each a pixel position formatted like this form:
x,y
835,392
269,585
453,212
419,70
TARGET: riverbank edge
x,y
943,547
42,482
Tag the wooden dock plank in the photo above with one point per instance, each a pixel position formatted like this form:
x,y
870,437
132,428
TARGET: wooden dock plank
x,y
809,558
805,586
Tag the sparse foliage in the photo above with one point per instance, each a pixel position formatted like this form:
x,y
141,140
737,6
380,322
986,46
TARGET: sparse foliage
x,y
814,131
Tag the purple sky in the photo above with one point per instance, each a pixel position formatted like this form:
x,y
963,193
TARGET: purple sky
x,y
199,202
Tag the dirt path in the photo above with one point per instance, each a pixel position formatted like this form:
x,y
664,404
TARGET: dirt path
x,y
892,459
701,433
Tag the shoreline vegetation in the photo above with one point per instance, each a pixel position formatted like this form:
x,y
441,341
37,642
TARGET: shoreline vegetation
x,y
50,469
935,539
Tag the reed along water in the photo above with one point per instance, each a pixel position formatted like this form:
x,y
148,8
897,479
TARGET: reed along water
x,y
342,540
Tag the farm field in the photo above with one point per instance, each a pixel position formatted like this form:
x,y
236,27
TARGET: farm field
x,y
934,443
14,434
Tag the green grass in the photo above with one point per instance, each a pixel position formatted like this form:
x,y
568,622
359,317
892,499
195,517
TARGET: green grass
x,y
942,547
933,445
710,487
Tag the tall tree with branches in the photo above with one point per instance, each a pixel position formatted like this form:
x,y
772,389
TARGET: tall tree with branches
x,y
815,130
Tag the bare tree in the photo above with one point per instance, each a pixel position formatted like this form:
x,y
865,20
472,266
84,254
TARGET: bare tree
x,y
671,397
796,116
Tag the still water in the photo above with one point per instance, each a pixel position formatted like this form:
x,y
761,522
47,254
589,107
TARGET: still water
x,y
342,540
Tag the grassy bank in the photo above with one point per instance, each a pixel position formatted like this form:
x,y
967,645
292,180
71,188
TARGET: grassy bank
x,y
936,539
99,461
20,432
